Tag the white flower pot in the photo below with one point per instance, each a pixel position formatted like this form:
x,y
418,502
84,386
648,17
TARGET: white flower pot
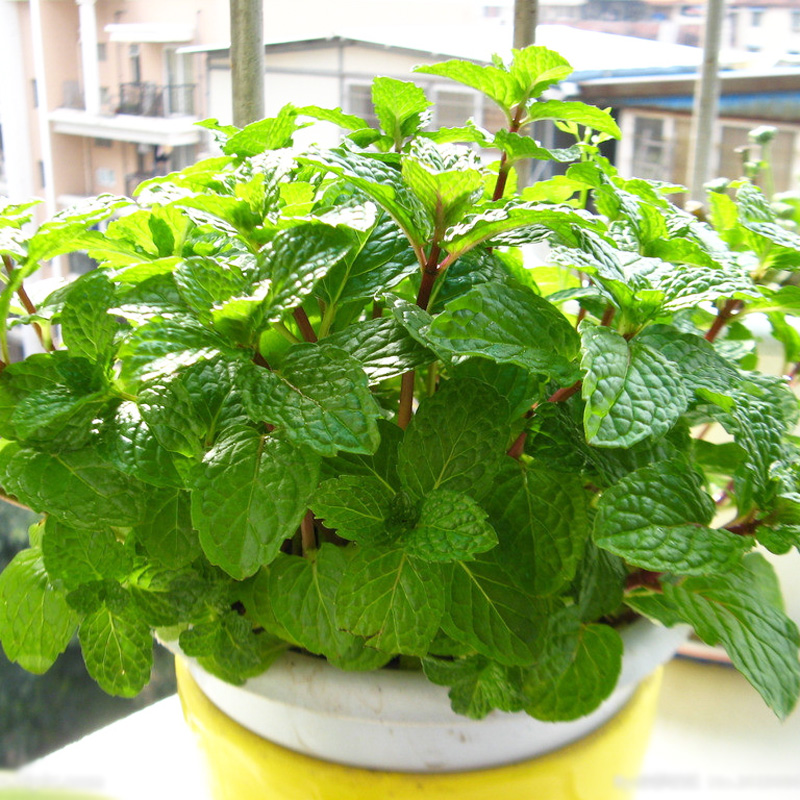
x,y
395,720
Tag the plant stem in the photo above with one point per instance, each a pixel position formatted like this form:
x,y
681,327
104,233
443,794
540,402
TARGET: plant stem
x,y
565,393
505,166
285,332
643,578
377,310
7,498
723,317
47,342
261,361
308,536
406,399
304,323
429,274
432,379
608,316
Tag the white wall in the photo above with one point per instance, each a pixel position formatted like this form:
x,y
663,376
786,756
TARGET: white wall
x,y
14,102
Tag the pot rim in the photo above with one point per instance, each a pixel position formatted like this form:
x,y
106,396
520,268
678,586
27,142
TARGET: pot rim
x,y
398,720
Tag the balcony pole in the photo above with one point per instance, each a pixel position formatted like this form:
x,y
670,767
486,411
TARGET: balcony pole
x,y
247,60
526,17
87,21
706,102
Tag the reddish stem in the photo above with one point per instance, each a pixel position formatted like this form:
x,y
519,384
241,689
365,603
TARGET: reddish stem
x,y
304,323
744,528
406,399
429,274
643,578
723,317
28,305
261,361
565,393
308,536
608,315
505,167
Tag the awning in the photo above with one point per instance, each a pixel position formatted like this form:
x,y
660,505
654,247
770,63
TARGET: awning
x,y
150,32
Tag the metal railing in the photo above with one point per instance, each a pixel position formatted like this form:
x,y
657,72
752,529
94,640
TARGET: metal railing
x,y
146,99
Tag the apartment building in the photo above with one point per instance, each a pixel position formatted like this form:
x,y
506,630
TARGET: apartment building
x,y
97,95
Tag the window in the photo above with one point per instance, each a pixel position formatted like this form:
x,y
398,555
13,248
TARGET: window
x,y
35,93
103,143
105,177
359,102
796,21
756,17
650,149
42,181
102,51
452,108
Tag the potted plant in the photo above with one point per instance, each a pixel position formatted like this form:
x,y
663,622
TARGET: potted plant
x,y
318,402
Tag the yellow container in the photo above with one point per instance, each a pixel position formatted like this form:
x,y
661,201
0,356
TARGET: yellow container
x,y
244,766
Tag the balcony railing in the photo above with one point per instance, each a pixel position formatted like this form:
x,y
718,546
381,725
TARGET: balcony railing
x,y
151,100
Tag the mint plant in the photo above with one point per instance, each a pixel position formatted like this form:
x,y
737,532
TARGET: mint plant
x,y
321,400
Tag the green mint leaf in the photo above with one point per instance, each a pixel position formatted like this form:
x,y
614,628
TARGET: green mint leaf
x,y
556,692
166,532
761,640
701,368
335,115
384,348
544,520
164,597
188,410
205,282
51,400
400,107
653,605
599,583
631,391
249,495
319,396
487,610
573,111
394,600
451,527
446,195
303,595
520,224
508,325
86,326
657,518
131,446
382,183
78,555
518,147
456,439
118,650
537,68
520,388
381,464
293,262
479,685
238,652
78,487
383,259
497,84
163,346
36,624
266,134
356,507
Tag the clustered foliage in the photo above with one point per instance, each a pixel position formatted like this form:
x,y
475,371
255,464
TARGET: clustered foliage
x,y
319,400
